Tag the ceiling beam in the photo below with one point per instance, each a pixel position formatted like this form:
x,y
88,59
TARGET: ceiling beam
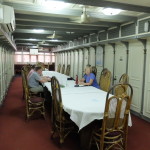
x,y
41,36
103,3
50,19
38,40
34,44
48,32
55,29
40,10
62,26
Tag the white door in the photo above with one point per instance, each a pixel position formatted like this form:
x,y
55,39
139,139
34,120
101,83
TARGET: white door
x,y
99,61
92,56
1,92
120,61
86,57
72,64
76,60
146,110
80,65
65,60
109,59
135,71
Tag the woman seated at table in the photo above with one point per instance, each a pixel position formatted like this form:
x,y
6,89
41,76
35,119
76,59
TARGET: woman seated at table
x,y
89,78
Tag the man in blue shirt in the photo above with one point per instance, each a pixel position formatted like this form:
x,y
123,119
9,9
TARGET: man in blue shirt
x,y
89,78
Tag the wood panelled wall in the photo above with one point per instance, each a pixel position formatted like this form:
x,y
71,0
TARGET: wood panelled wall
x,y
6,70
132,57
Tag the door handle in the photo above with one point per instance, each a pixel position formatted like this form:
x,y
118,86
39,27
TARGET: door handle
x,y
115,78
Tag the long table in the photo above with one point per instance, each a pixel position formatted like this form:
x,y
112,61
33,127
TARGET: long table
x,y
84,104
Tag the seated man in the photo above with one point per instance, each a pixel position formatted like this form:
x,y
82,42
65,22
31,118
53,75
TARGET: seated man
x,y
34,80
89,78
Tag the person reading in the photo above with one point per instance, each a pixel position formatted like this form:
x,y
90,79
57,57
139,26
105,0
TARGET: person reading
x,y
35,79
89,78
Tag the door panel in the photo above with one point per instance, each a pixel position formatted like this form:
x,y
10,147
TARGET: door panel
x,y
146,110
86,57
120,61
80,65
75,63
99,61
92,56
109,59
136,60
72,64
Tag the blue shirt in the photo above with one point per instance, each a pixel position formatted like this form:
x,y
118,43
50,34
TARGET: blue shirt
x,y
89,77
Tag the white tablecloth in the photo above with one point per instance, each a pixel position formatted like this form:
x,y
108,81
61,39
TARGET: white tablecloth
x,y
83,104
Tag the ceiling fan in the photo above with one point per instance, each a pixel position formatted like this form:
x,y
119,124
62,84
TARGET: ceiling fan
x,y
54,36
84,18
42,42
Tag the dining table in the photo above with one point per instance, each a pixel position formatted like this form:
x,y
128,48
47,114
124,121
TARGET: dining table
x,y
84,104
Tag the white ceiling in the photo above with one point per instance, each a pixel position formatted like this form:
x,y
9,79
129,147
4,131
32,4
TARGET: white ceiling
x,y
135,2
88,8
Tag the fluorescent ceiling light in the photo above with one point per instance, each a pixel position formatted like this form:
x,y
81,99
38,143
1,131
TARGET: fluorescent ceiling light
x,y
38,30
69,32
111,11
55,5
32,39
55,40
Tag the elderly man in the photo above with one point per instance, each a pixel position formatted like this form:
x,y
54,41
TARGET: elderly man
x,y
35,79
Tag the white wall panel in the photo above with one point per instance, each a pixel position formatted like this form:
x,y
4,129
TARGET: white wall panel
x,y
92,56
136,60
68,57
109,58
65,60
6,70
72,64
120,61
99,61
80,69
146,110
86,57
76,60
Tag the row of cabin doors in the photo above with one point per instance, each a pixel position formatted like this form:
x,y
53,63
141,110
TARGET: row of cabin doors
x,y
119,63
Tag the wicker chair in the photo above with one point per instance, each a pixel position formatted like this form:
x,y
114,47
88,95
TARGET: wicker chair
x,y
113,132
105,79
61,123
68,70
124,79
59,68
63,69
94,70
33,103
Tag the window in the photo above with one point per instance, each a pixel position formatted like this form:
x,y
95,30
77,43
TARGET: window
x,y
53,58
26,58
18,58
47,59
33,58
41,58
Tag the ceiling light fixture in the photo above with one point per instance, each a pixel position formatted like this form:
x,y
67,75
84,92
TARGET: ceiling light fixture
x,y
55,5
54,40
32,39
38,30
111,11
69,32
